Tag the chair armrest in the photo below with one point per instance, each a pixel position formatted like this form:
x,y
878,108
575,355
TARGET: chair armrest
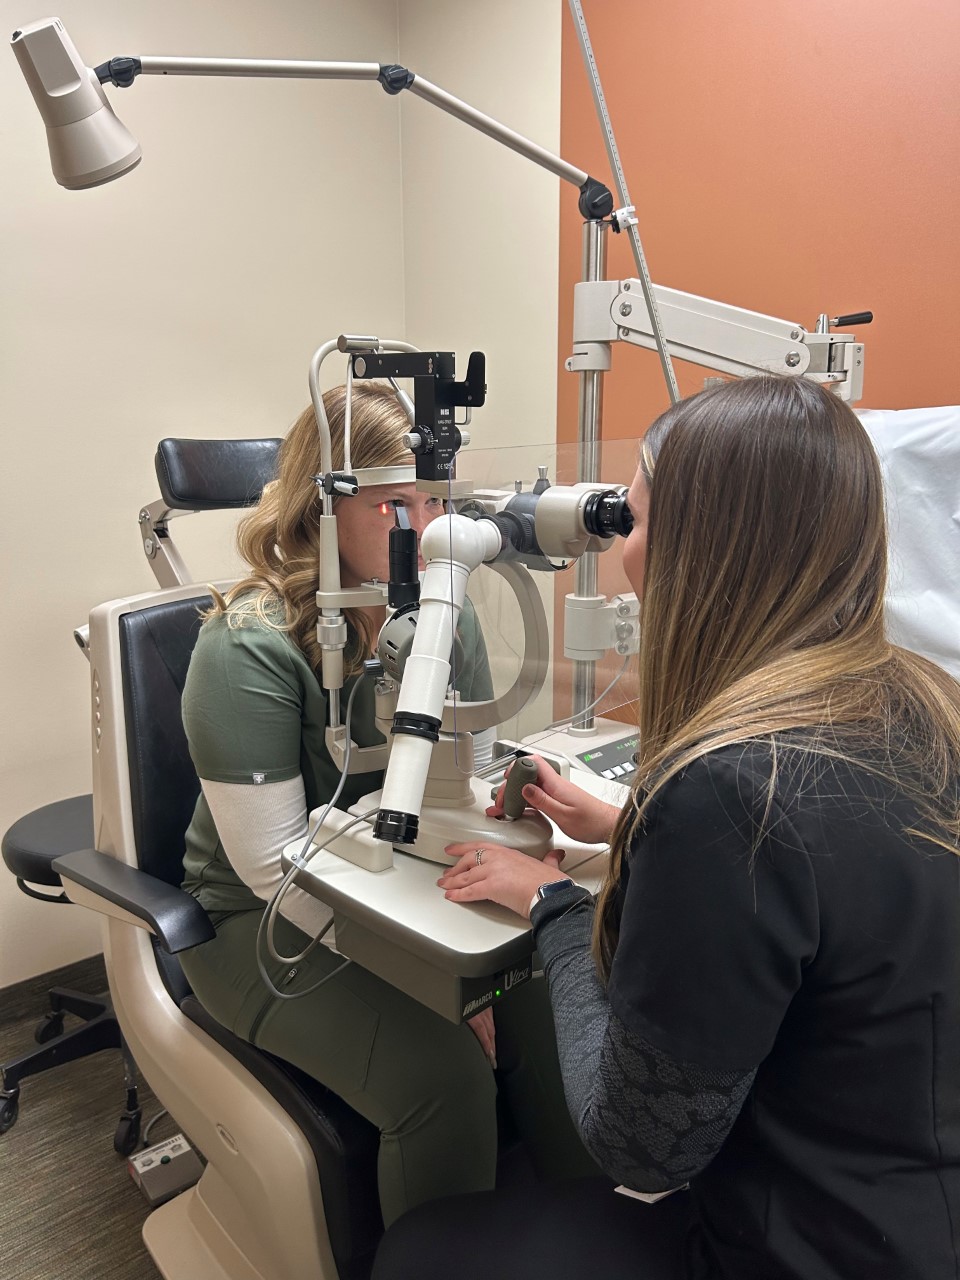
x,y
174,916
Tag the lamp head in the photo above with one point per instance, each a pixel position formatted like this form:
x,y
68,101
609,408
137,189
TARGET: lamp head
x,y
88,144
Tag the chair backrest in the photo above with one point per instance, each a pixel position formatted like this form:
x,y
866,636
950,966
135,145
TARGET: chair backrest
x,y
155,648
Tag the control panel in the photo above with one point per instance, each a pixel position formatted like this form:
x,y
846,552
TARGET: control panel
x,y
613,760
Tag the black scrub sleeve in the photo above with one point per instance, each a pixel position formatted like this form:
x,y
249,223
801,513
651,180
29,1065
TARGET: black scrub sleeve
x,y
650,1122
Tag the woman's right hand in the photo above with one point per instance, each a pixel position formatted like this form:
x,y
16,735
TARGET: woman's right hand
x,y
578,814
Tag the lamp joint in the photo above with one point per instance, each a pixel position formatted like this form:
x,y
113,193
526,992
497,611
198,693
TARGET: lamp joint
x,y
395,78
120,72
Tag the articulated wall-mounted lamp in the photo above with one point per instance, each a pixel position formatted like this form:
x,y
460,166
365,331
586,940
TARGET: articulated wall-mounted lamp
x,y
89,145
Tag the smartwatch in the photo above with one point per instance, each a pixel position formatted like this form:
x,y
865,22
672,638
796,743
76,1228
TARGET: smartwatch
x,y
552,886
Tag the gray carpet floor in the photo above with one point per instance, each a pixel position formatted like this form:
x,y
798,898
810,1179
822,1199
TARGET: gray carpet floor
x,y
69,1209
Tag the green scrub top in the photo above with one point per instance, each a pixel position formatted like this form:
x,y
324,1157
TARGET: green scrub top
x,y
255,713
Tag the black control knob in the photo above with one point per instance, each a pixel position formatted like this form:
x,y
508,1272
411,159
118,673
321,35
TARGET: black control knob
x,y
523,771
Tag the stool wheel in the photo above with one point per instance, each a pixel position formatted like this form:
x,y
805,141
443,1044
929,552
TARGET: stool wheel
x,y
48,1028
127,1138
9,1109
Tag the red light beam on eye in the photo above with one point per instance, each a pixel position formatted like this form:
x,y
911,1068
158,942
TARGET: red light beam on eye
x,y
384,508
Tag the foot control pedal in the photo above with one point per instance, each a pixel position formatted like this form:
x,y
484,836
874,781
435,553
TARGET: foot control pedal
x,y
163,1171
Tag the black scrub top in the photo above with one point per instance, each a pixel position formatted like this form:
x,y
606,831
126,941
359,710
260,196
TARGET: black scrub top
x,y
825,954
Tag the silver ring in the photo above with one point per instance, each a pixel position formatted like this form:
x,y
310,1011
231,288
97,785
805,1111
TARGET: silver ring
x,y
480,852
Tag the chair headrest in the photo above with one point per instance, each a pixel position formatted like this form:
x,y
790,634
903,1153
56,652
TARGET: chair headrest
x,y
213,475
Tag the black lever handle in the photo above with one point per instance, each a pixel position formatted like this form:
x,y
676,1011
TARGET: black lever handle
x,y
855,318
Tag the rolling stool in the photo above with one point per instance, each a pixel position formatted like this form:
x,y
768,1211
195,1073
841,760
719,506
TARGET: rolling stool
x,y
29,848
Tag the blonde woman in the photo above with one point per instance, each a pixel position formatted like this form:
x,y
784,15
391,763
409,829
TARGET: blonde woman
x,y
764,1003
255,713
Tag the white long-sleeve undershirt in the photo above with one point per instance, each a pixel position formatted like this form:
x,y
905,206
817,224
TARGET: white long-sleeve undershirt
x,y
255,823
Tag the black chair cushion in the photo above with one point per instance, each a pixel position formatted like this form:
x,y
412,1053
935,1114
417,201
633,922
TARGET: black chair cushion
x,y
155,646
211,475
344,1144
32,843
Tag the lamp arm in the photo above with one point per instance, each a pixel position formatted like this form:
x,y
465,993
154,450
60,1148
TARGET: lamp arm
x,y
272,68
596,200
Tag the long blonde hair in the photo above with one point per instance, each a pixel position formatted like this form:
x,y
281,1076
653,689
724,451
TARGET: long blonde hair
x,y
762,608
279,538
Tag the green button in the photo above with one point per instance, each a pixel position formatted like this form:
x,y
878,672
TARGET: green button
x,y
164,1159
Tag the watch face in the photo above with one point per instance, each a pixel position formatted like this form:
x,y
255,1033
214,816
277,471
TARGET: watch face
x,y
552,886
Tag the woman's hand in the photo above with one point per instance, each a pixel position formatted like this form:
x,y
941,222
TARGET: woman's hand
x,y
501,875
482,1026
578,814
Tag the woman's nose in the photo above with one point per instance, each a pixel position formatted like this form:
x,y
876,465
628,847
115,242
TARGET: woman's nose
x,y
421,517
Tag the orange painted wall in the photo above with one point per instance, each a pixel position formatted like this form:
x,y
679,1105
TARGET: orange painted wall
x,y
787,157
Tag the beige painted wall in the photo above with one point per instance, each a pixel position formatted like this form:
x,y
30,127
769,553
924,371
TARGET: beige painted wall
x,y
187,298
480,229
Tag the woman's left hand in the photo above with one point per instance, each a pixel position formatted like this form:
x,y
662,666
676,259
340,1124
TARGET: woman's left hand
x,y
500,875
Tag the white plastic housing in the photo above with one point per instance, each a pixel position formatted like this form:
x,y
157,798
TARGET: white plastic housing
x,y
452,548
88,144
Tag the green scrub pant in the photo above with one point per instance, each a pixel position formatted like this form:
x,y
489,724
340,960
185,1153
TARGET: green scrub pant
x,y
426,1084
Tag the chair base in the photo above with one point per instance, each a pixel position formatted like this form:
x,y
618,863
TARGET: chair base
x,y
187,1241
99,1030
180,1251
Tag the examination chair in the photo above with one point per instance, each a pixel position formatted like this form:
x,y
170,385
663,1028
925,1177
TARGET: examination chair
x,y
289,1188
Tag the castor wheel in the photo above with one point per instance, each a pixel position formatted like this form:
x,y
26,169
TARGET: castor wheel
x,y
127,1137
48,1028
9,1109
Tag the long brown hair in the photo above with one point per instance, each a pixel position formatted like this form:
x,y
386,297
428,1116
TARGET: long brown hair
x,y
279,538
762,607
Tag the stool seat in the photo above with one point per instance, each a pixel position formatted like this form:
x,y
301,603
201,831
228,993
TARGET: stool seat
x,y
31,844
29,848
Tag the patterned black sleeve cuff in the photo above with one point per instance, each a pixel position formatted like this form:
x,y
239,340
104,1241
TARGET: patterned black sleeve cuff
x,y
558,904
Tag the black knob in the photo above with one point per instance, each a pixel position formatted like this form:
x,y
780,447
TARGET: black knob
x,y
523,771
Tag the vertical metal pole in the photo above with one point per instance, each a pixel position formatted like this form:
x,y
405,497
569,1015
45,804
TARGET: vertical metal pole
x,y
623,195
588,469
